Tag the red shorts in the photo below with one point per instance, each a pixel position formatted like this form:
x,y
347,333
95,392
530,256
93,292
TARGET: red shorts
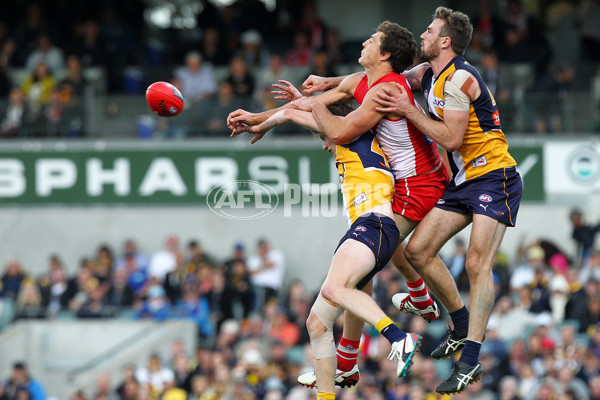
x,y
416,195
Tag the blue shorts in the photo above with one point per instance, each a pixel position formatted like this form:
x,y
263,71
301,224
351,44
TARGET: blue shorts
x,y
496,194
380,234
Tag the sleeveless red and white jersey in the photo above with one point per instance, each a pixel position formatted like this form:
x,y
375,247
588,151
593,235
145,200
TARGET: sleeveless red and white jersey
x,y
409,151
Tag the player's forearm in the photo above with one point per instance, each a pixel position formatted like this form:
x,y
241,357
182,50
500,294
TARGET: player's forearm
x,y
436,130
334,81
330,125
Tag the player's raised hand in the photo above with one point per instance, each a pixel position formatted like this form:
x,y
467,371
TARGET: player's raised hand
x,y
286,91
393,99
314,84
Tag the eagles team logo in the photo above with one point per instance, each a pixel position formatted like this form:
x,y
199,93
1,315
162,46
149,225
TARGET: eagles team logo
x,y
486,198
360,228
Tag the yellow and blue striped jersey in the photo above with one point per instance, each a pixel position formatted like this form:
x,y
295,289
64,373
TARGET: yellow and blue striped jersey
x,y
365,175
484,147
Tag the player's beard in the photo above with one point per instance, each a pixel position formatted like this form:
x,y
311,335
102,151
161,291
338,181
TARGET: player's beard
x,y
431,53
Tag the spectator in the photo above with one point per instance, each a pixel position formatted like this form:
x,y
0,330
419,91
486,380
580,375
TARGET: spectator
x,y
29,301
311,24
12,279
240,78
37,88
195,307
321,66
164,261
301,53
88,45
55,293
156,306
22,380
253,50
195,79
155,376
333,48
267,270
198,258
131,251
583,234
45,53
524,274
15,115
212,48
215,112
120,293
103,390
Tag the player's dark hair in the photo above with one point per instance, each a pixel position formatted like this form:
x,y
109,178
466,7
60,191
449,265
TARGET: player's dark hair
x,y
457,27
400,43
340,109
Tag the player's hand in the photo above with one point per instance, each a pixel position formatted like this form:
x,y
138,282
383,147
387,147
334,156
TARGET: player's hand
x,y
258,130
286,91
314,84
393,101
240,118
304,104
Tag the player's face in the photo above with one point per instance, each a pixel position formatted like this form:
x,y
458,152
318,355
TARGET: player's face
x,y
328,144
430,41
371,50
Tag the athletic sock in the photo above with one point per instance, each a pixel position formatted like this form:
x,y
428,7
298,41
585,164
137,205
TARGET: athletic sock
x,y
419,295
460,320
325,396
389,330
470,353
347,354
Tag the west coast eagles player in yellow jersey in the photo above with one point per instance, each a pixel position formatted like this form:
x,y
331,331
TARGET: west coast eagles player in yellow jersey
x,y
485,188
368,188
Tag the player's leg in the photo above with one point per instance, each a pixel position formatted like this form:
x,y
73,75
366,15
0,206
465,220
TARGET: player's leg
x,y
429,237
422,250
320,329
353,261
486,236
417,301
346,374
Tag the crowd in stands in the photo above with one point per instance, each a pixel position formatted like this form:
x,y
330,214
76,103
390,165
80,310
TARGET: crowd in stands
x,y
553,47
542,343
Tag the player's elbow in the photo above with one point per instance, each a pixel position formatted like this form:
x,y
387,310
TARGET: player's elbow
x,y
343,137
451,146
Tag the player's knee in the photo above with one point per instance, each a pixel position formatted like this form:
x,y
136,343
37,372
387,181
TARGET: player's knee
x,y
314,325
412,254
329,293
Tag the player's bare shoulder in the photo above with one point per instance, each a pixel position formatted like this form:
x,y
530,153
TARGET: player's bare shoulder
x,y
351,82
415,75
466,82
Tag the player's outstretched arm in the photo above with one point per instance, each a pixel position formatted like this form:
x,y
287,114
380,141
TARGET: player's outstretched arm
x,y
299,117
316,83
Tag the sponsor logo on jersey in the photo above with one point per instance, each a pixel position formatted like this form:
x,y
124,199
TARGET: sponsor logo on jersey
x,y
496,116
361,198
360,228
486,198
441,201
479,162
439,102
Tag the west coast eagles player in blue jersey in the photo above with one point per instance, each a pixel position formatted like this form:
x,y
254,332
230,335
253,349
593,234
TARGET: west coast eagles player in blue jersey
x,y
368,188
485,188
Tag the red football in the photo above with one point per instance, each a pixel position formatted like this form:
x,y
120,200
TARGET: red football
x,y
164,99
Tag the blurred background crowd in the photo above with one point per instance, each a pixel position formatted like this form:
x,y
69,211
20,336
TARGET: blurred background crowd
x,y
73,69
543,338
